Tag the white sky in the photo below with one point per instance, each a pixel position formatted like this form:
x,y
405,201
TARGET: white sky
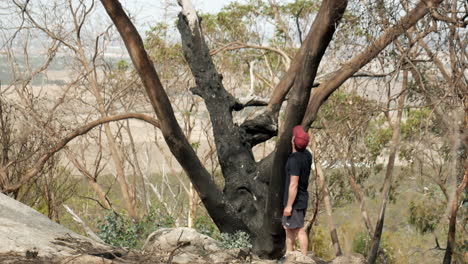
x,y
148,11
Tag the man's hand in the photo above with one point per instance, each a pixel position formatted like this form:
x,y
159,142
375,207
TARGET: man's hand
x,y
287,211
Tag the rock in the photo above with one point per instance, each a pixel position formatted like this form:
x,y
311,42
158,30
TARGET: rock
x,y
187,239
185,258
222,256
297,257
349,259
264,261
186,245
29,235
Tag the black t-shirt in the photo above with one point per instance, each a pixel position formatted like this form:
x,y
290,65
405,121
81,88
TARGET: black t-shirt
x,y
298,164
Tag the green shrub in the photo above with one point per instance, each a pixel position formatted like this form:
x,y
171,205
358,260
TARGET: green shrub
x,y
239,239
320,243
362,244
121,230
117,230
204,225
425,215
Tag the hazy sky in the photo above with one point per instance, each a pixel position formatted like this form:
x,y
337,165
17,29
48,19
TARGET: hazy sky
x,y
150,10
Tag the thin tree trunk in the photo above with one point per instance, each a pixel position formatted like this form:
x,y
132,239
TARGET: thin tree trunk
x,y
373,253
192,206
351,175
326,196
453,220
116,154
360,197
138,170
39,165
453,215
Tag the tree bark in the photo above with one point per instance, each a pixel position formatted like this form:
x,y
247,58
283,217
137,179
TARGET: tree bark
x,y
234,153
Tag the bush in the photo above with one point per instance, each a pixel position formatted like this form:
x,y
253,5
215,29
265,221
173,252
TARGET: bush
x,y
120,230
239,239
362,244
204,225
321,242
425,215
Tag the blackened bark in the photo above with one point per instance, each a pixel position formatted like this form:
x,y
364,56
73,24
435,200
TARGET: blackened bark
x,y
219,208
234,152
306,63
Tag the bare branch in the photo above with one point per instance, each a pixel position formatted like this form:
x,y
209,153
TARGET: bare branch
x,y
32,172
321,93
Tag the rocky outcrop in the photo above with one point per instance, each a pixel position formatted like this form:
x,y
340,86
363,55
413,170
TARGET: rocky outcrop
x,y
27,236
186,245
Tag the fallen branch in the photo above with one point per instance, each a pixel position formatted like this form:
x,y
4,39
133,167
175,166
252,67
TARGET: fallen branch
x,y
88,230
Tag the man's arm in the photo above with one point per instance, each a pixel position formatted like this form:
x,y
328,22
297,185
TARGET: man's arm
x,y
293,184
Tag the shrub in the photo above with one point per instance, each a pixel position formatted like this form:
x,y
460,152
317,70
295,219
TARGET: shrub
x,y
120,230
117,230
204,225
425,215
362,244
239,239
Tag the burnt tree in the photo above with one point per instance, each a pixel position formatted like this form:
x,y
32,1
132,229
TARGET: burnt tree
x,y
252,197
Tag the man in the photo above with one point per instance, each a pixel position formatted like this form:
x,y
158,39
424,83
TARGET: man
x,y
296,196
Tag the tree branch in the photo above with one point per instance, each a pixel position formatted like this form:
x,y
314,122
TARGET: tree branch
x,y
239,45
39,165
321,93
234,153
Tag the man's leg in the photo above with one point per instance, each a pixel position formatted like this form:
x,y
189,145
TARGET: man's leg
x,y
303,241
291,235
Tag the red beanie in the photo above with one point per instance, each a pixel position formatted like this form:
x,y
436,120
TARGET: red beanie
x,y
301,138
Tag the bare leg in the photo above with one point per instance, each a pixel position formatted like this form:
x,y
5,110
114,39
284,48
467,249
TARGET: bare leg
x,y
291,235
303,241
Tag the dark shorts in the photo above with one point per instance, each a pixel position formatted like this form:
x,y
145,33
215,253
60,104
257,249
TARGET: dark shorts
x,y
295,220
